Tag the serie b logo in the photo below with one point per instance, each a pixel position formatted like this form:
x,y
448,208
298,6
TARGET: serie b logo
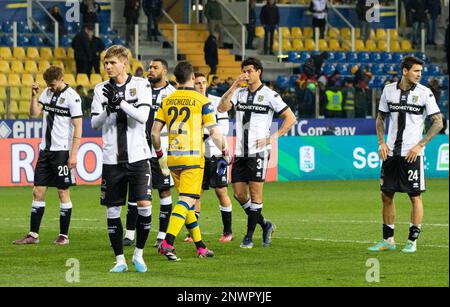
x,y
307,159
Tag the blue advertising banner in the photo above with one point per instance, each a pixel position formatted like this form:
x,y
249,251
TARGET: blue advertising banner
x,y
347,157
340,126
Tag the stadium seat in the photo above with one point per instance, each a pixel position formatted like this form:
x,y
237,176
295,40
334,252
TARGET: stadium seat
x,y
293,57
334,45
14,80
119,41
24,106
259,32
31,67
352,57
70,53
4,67
377,69
33,53
393,34
389,69
17,67
23,41
27,80
364,57
386,57
397,57
275,46
308,32
43,65
371,45
2,109
323,45
8,40
331,56
95,79
380,34
304,56
83,79
19,53
406,45
70,79
60,53
296,32
66,41
13,108
15,93
382,46
297,44
5,53
25,92
309,44
422,56
7,27
3,79
434,70
2,94
343,69
58,63
359,45
346,33
287,46
375,57
333,32
328,69
282,82
395,46
40,79
340,57
46,54
285,32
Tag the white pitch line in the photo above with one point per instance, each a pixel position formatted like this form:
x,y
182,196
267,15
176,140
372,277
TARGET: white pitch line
x,y
364,222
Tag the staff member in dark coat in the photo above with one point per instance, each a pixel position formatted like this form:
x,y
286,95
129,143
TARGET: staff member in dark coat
x,y
211,53
153,10
87,49
131,14
269,17
89,9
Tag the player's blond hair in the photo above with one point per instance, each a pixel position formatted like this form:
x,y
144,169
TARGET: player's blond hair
x,y
118,51
53,73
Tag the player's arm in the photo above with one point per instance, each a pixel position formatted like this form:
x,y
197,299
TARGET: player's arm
x,y
289,120
35,106
76,140
225,102
141,111
380,127
156,134
98,114
157,127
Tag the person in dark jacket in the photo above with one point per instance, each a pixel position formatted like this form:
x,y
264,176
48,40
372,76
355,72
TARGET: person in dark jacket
x,y
153,10
251,26
56,13
213,13
434,11
131,14
362,7
319,9
270,18
87,49
419,18
211,53
89,9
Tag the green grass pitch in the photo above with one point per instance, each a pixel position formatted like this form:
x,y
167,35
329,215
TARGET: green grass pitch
x,y
323,230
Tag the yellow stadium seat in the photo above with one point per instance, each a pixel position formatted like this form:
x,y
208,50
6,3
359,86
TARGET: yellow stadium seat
x,y
17,66
380,34
43,65
14,80
259,32
3,80
2,109
60,53
346,33
333,33
359,45
31,67
287,46
370,45
83,79
4,67
2,94
309,44
24,107
395,46
372,34
15,93
23,116
308,32
95,79
5,53
285,33
296,32
32,53
323,45
102,55
382,45
297,44
58,63
394,34
275,46
334,45
19,53
70,79
46,54
27,80
70,54
40,80
25,93
406,45
13,108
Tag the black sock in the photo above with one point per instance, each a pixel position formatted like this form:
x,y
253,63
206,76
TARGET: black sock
x,y
164,217
200,244
64,220
115,232
197,215
142,230
387,232
252,220
261,219
226,220
414,232
132,217
170,239
36,218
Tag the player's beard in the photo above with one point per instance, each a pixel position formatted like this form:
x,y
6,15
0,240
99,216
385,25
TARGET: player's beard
x,y
155,80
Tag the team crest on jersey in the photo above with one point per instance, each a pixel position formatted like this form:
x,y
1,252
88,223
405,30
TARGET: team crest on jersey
x,y
133,91
61,100
260,98
415,99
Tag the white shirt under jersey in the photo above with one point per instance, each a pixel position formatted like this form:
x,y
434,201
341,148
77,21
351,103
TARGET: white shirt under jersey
x,y
407,112
254,113
59,109
158,94
124,138
224,125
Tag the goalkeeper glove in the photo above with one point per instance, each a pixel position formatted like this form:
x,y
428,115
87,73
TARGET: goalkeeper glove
x,y
112,94
223,162
162,159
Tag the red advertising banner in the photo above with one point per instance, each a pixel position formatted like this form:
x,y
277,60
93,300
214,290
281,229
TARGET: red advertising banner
x,y
18,159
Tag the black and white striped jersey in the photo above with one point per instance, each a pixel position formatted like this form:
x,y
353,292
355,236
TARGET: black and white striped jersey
x,y
59,110
224,124
254,113
407,112
158,94
124,138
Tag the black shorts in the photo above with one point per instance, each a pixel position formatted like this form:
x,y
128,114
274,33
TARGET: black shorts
x,y
247,169
52,170
210,176
117,179
159,181
397,175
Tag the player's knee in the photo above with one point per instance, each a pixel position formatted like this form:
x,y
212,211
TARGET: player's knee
x,y
387,198
164,193
64,195
241,197
144,203
113,212
39,193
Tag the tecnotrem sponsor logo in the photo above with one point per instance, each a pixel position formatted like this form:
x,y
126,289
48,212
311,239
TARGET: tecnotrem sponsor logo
x,y
5,131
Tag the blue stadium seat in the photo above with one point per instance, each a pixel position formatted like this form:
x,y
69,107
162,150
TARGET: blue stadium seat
x,y
22,27
387,57
342,68
434,70
42,26
425,71
65,41
340,57
23,40
7,27
105,28
397,57
8,40
119,41
36,40
293,80
388,68
293,57
328,69
364,57
378,81
445,82
352,57
282,81
331,56
304,55
377,69
375,57
1,27
422,56
73,28
106,41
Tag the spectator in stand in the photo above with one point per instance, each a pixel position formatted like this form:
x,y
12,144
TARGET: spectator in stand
x,y
213,12
55,12
213,88
131,14
306,100
89,9
335,100
319,10
211,53
434,11
362,6
87,49
139,72
436,89
153,10
419,18
85,104
349,98
251,26
269,18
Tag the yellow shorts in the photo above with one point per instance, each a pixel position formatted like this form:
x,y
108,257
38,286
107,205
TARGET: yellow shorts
x,y
188,181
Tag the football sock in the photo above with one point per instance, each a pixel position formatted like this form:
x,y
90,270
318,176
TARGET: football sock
x,y
246,207
226,213
115,230
132,217
65,213
37,211
253,216
164,215
177,220
388,231
192,226
414,232
144,221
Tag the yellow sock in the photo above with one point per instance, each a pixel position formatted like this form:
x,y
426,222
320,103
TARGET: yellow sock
x,y
177,218
192,226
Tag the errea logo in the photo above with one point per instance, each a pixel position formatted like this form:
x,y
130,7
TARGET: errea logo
x,y
5,131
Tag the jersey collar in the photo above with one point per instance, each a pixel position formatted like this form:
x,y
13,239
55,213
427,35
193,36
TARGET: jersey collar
x,y
260,87
410,89
187,88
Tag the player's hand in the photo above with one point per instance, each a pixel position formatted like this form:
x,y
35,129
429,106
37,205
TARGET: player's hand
x,y
222,165
413,153
72,163
383,151
264,142
112,94
162,160
226,156
34,89
241,79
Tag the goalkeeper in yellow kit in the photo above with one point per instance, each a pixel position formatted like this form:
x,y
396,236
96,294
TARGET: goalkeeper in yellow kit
x,y
185,112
